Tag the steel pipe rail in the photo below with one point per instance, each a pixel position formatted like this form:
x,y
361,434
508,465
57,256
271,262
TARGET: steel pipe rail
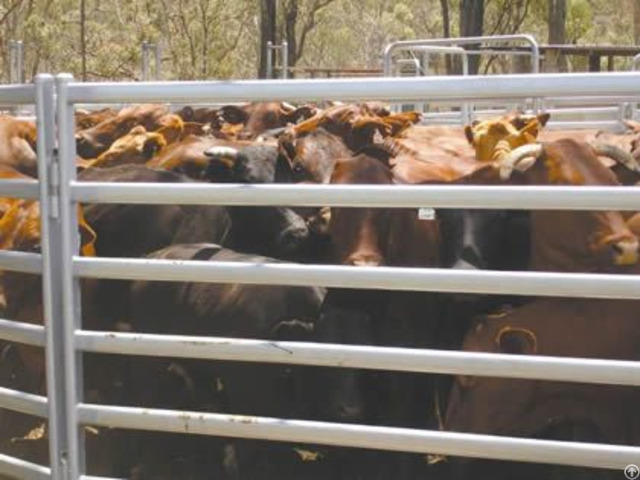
x,y
398,89
23,402
380,438
20,261
578,285
21,332
410,44
27,189
597,371
445,196
17,94
22,469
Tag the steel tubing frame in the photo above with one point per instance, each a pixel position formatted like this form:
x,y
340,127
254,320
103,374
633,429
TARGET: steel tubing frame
x,y
597,371
361,436
409,196
62,268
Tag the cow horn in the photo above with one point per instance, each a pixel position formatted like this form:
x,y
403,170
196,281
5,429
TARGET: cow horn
x,y
617,154
508,163
221,151
288,107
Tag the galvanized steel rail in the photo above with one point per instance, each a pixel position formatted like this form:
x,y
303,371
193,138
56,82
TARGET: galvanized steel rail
x,y
61,267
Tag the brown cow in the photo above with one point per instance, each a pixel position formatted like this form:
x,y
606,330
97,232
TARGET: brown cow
x,y
582,328
257,118
572,241
493,139
96,140
137,146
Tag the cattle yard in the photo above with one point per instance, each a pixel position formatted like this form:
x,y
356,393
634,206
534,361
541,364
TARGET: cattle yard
x,y
71,414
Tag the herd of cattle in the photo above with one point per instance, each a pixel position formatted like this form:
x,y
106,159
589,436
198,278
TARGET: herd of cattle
x,y
340,144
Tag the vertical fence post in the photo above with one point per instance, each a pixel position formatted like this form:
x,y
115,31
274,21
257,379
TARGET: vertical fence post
x,y
269,59
52,306
145,61
284,59
158,52
67,288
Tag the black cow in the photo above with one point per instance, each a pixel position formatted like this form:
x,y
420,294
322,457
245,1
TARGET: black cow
x,y
225,310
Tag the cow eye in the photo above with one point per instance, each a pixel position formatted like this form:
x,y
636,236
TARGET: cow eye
x,y
298,168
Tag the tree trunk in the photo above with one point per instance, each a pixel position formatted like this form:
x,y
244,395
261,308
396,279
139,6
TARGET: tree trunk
x,y
557,35
83,40
446,32
471,25
267,33
636,21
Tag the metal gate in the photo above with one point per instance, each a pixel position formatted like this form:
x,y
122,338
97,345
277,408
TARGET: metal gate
x,y
61,267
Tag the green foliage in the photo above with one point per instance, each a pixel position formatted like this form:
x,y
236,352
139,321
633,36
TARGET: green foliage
x,y
205,39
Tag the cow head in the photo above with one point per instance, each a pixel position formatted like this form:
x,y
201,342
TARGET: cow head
x,y
138,146
573,240
92,142
493,139
489,405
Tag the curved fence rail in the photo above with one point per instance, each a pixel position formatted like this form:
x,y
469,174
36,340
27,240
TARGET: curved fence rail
x,y
65,338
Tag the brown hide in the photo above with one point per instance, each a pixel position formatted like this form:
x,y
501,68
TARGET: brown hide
x,y
137,146
18,146
602,329
187,157
257,118
96,140
88,119
20,231
576,241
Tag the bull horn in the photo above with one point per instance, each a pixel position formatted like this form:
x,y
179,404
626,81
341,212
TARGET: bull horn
x,y
288,107
616,154
511,161
221,151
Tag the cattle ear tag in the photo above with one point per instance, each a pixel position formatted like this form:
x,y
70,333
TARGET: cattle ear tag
x,y
517,341
426,213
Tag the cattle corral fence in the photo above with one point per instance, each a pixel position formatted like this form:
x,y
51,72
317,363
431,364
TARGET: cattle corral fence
x,y
61,267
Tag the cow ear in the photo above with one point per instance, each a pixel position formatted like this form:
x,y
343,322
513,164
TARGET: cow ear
x,y
543,118
633,126
301,113
172,128
233,114
517,341
87,236
468,132
151,146
292,330
187,114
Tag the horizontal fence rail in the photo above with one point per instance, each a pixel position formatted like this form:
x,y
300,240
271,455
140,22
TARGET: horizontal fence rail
x,y
608,372
17,94
23,402
374,196
581,285
396,89
27,189
22,469
361,436
21,332
20,261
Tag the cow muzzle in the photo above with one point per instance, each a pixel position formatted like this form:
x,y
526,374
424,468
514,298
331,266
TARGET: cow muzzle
x,y
625,252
